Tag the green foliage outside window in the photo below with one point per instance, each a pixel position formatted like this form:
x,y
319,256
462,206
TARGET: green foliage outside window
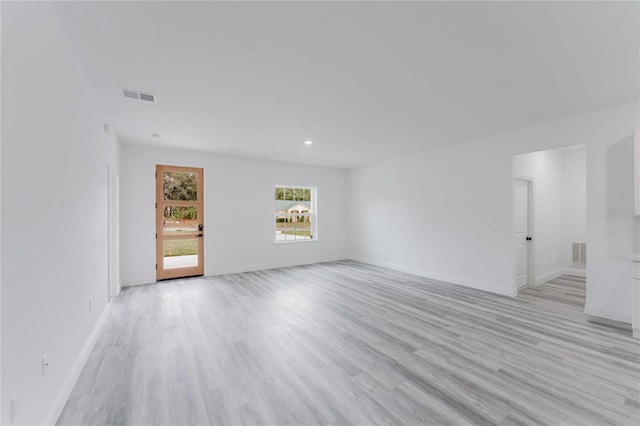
x,y
293,194
181,213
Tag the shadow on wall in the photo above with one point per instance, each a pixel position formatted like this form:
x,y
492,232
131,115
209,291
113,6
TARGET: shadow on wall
x,y
619,198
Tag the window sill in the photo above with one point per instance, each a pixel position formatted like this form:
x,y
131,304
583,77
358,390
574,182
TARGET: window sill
x,y
294,241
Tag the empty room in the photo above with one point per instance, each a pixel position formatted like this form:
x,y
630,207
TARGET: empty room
x,y
319,212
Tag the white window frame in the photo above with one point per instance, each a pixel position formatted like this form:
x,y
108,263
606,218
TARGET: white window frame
x,y
313,215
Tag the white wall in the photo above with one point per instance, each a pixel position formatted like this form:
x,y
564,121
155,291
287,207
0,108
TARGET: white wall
x,y
239,220
610,226
54,211
430,213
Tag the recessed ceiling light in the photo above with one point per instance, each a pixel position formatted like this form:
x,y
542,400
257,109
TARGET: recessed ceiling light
x,y
155,135
308,142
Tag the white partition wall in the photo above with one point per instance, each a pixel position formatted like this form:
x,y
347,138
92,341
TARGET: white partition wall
x,y
55,155
447,213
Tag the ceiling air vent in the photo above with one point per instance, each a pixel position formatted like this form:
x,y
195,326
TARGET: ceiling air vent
x,y
139,95
131,94
147,97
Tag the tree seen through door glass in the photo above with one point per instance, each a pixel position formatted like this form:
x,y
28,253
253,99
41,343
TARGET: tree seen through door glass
x,y
180,186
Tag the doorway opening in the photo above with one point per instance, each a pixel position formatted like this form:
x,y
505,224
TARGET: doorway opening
x,y
549,217
179,222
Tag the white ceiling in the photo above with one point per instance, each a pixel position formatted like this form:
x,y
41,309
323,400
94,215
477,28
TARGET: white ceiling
x,y
365,81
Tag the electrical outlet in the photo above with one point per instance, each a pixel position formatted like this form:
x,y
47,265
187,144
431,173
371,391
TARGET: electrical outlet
x,y
14,408
90,303
45,364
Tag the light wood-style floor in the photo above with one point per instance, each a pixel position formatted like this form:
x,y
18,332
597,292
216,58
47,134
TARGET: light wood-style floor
x,y
565,290
349,343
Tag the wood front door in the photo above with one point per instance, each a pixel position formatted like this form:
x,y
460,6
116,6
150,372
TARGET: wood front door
x,y
179,222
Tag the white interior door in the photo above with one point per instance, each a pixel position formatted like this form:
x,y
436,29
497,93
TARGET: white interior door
x,y
521,229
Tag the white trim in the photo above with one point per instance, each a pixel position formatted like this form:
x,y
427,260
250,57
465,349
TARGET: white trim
x,y
567,270
549,276
481,285
72,377
599,311
522,177
137,281
636,172
274,265
246,268
577,272
446,278
113,230
277,243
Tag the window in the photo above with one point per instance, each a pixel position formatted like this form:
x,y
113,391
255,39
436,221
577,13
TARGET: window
x,y
295,213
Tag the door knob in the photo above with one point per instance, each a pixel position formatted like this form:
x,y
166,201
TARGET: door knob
x,y
528,238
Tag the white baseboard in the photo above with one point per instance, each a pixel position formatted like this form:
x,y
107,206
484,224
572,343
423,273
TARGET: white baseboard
x,y
452,279
576,272
65,390
130,282
273,265
599,311
244,268
567,270
549,276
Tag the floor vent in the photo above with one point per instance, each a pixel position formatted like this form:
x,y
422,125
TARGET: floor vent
x,y
579,256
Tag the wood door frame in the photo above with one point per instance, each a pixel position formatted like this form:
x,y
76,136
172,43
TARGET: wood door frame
x,y
165,274
531,245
